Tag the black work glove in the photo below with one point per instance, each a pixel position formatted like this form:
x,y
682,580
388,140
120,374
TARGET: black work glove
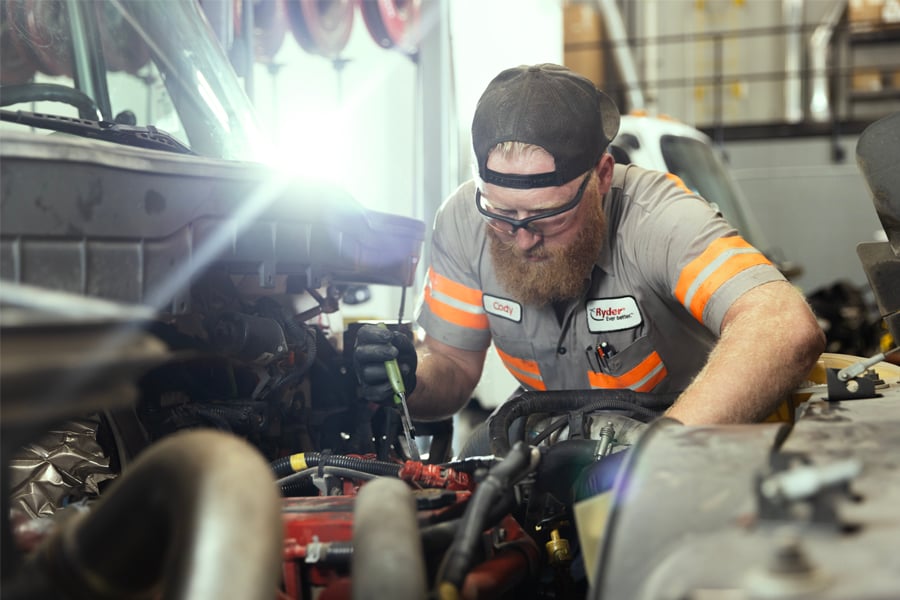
x,y
375,345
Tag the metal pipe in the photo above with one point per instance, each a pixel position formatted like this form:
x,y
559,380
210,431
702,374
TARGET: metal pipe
x,y
651,57
819,51
197,515
792,14
387,561
618,35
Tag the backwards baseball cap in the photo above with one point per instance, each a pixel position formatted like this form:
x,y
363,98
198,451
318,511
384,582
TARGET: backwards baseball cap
x,y
549,106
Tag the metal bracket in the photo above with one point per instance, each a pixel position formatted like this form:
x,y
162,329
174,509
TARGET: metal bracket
x,y
862,386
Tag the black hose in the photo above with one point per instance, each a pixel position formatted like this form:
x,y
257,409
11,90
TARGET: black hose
x,y
298,489
550,430
289,485
239,418
640,405
600,476
337,552
51,92
561,466
471,464
437,537
298,333
458,559
284,465
306,341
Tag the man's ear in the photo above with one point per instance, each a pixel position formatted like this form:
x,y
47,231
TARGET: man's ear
x,y
604,170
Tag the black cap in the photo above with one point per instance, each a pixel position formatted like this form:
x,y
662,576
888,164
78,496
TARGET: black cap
x,y
549,106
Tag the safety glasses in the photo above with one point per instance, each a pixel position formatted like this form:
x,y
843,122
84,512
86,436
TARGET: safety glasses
x,y
545,224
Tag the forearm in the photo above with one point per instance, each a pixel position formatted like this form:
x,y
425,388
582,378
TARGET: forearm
x,y
445,379
769,343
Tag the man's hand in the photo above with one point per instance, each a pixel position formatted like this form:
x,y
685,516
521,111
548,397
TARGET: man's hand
x,y
376,345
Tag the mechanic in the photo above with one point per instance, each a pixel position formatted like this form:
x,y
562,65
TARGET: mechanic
x,y
587,274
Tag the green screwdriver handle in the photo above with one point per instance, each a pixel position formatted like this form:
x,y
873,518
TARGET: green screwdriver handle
x,y
394,376
393,371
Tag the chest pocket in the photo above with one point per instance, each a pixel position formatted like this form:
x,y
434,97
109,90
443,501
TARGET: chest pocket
x,y
637,367
518,358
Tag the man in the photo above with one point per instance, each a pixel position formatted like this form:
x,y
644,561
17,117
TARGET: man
x,y
586,274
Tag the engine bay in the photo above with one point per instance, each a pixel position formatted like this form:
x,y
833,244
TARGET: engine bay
x,y
181,417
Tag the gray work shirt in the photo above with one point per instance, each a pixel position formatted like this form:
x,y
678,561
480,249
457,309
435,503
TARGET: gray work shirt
x,y
669,269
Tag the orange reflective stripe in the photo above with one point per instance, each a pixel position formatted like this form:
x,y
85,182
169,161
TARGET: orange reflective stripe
x,y
443,285
722,259
454,302
642,378
715,280
527,366
694,268
455,315
535,384
652,381
526,371
677,181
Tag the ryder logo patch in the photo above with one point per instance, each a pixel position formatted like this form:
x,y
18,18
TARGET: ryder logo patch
x,y
502,307
612,314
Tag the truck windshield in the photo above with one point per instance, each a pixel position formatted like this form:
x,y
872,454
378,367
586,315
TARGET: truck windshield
x,y
131,62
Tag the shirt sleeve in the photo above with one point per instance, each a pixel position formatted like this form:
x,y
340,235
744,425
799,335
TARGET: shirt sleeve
x,y
451,309
706,263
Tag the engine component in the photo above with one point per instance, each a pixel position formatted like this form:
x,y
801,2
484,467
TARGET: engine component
x,y
577,404
62,466
257,340
219,495
520,461
387,560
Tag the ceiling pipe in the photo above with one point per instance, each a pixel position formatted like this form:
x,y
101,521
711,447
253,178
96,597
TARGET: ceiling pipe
x,y
820,108
615,29
792,15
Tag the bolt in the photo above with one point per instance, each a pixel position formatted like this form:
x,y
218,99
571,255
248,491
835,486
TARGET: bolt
x,y
789,557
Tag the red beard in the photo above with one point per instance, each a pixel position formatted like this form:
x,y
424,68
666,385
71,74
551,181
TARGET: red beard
x,y
562,273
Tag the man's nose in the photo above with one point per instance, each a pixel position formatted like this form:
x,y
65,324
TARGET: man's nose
x,y
526,240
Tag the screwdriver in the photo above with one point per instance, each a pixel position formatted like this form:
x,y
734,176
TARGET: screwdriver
x,y
396,379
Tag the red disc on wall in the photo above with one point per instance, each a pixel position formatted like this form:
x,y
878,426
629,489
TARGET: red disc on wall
x,y
321,26
19,63
45,34
393,23
269,28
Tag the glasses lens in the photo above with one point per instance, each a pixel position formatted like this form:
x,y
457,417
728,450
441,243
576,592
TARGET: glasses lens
x,y
501,226
548,224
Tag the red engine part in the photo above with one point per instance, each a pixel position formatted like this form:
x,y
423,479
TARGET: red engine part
x,y
318,532
318,535
434,476
515,561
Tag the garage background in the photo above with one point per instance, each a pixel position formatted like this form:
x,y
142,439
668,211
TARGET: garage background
x,y
783,88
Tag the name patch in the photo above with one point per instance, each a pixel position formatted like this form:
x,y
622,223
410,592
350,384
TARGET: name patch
x,y
502,307
612,314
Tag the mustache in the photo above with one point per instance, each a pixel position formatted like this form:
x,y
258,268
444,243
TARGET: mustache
x,y
510,248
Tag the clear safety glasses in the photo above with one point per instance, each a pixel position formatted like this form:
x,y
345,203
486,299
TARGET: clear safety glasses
x,y
544,224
